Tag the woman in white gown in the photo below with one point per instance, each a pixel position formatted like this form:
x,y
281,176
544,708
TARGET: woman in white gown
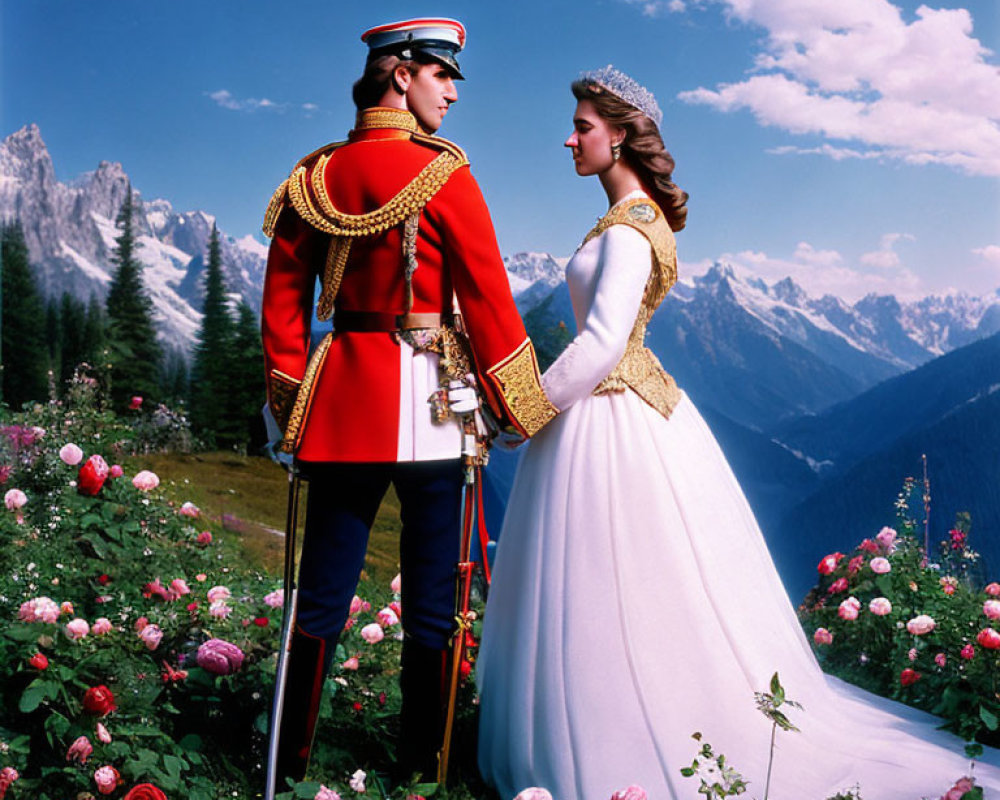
x,y
634,601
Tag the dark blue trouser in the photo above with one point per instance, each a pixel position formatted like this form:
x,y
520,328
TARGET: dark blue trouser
x,y
343,501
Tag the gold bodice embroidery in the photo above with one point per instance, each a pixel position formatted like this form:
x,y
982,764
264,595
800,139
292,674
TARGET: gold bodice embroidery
x,y
639,369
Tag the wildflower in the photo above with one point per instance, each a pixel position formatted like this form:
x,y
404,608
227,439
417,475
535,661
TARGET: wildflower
x,y
968,652
991,608
151,636
921,624
886,539
80,750
101,626
989,639
102,734
77,628
829,563
849,608
71,454
145,481
107,779
823,636
948,584
219,657
838,585
957,538
357,781
880,606
39,661
92,475
880,566
908,677
275,599
372,633
15,499
99,701
189,509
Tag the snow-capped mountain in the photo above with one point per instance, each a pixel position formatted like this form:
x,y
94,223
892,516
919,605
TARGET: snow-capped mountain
x,y
532,277
70,233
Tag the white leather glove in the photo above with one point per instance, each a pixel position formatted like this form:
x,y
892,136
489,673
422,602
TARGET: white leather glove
x,y
462,399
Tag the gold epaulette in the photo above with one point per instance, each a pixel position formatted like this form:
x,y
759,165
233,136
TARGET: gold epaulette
x,y
280,196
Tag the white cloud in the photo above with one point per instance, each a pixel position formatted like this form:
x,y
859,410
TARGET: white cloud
x,y
654,8
922,92
990,253
225,99
886,257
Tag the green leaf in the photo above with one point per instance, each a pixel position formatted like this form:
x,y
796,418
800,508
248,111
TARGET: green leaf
x,y
90,520
32,697
190,742
988,717
775,684
306,790
884,584
687,772
174,766
973,750
425,789
975,793
22,633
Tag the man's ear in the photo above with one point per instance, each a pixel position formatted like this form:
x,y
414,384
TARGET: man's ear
x,y
401,79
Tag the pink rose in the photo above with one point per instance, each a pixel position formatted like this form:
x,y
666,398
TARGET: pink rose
x,y
219,657
80,750
989,639
102,734
201,577
151,636
968,652
849,608
189,509
351,664
959,790
992,589
145,481
217,593
940,659
140,623
357,781
77,628
533,793
275,599
7,776
15,499
204,538
855,564
372,633
71,454
107,779
839,585
179,587
912,654
387,617
358,605
920,625
326,794
631,793
397,584
868,546
880,606
39,609
880,565
991,608
116,471
219,609
829,563
887,539
823,636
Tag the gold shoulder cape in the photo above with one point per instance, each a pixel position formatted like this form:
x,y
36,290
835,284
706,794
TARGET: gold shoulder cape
x,y
639,369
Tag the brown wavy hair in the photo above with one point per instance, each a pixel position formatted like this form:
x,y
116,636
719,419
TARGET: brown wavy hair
x,y
371,87
643,148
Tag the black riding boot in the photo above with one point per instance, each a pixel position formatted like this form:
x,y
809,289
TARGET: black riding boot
x,y
423,684
306,672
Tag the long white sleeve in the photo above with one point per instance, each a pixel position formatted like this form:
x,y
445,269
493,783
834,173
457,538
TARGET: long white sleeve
x,y
622,273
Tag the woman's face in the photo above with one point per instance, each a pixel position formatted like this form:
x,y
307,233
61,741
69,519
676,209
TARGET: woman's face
x,y
591,140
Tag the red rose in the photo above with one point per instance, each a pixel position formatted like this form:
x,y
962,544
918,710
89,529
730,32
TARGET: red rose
x,y
99,701
989,639
39,661
104,580
908,677
92,475
829,563
465,668
838,585
144,791
357,705
261,622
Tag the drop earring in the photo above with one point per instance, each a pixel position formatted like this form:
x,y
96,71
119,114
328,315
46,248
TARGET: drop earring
x,y
616,152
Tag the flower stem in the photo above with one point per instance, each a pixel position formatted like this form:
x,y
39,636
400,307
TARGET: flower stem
x,y
770,760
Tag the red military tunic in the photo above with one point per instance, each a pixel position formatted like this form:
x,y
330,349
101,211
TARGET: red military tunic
x,y
369,398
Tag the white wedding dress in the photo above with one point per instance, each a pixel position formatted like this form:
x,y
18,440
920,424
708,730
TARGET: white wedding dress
x,y
634,602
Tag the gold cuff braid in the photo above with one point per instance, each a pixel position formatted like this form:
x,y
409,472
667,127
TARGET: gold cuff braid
x,y
282,390
520,384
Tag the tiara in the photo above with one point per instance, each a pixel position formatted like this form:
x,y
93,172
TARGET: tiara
x,y
626,89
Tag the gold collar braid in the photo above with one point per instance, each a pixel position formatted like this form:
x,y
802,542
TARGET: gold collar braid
x,y
379,117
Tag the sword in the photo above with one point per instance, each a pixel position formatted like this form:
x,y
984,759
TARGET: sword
x,y
287,625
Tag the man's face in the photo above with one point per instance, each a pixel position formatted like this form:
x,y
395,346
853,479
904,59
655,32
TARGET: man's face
x,y
429,93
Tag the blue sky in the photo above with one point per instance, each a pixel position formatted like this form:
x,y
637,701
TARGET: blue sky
x,y
852,144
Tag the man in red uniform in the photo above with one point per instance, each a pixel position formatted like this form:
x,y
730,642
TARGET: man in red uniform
x,y
396,229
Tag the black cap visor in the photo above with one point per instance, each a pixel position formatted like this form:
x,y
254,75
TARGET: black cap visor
x,y
423,51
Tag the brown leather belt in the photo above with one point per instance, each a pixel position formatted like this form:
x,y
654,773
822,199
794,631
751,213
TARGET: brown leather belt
x,y
387,322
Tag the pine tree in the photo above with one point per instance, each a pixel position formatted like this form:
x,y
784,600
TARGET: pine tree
x,y
248,388
53,335
174,380
72,319
134,350
95,333
22,343
212,370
